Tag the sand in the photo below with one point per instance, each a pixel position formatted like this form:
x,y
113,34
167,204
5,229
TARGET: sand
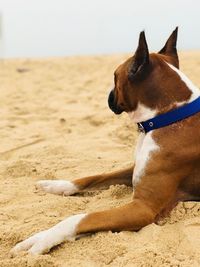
x,y
55,124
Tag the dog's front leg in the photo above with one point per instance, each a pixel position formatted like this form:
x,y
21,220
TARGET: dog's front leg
x,y
132,216
63,187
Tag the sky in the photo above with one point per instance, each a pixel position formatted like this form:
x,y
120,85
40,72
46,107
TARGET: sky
x,y
41,28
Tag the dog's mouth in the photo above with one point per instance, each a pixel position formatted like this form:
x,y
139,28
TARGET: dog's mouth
x,y
112,103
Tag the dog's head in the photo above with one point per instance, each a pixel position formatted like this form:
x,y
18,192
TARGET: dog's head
x,y
146,79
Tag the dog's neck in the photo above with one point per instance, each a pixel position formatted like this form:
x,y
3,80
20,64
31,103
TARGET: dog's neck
x,y
143,113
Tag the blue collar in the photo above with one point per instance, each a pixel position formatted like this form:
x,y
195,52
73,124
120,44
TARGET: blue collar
x,y
170,117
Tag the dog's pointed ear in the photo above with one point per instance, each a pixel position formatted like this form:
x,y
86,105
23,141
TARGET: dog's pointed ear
x,y
169,48
140,59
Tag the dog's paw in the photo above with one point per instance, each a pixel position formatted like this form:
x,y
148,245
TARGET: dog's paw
x,y
42,242
34,244
58,187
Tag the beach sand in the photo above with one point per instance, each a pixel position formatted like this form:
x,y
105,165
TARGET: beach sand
x,y
55,124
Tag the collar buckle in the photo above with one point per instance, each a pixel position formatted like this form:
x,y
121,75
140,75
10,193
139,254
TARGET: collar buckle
x,y
141,128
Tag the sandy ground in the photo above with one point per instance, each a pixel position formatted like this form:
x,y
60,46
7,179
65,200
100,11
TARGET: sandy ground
x,y
54,124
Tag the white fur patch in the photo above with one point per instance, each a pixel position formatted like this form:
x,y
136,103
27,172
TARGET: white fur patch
x,y
145,144
194,89
43,241
144,149
142,113
58,187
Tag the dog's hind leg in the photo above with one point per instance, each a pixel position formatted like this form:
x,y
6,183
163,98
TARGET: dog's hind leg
x,y
132,216
63,187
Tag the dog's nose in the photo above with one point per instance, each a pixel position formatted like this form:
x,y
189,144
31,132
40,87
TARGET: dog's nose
x,y
111,99
112,103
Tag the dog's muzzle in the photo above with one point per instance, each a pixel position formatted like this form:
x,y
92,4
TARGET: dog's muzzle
x,y
112,103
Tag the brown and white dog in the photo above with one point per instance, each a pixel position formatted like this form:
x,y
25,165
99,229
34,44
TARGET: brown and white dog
x,y
167,160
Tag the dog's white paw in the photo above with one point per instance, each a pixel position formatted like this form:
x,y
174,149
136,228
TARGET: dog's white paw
x,y
34,244
42,242
58,187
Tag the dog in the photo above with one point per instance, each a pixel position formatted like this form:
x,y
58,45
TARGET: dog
x,y
166,170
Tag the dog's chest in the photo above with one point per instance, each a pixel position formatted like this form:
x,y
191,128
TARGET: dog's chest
x,y
144,149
